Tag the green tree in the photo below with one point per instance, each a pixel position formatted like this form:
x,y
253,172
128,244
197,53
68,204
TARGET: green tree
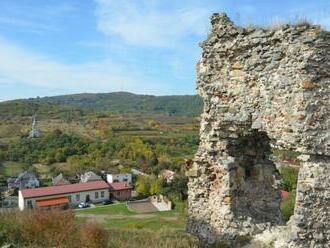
x,y
143,185
80,164
177,189
156,186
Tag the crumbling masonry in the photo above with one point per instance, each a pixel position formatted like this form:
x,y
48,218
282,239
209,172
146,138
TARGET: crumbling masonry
x,y
262,89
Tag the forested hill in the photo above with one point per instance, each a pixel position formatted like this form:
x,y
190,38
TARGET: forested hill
x,y
117,102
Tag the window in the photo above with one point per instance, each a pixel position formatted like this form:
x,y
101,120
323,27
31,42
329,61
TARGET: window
x,y
102,194
125,180
115,180
69,197
96,195
78,197
29,204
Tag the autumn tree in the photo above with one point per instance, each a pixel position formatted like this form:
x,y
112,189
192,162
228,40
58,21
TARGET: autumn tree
x,y
143,186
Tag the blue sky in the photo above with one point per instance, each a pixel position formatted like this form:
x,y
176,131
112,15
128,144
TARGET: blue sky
x,y
58,47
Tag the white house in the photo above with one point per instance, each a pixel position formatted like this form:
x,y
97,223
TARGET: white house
x,y
168,175
117,178
64,195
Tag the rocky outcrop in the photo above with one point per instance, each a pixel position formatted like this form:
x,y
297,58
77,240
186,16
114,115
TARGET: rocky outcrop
x,y
262,89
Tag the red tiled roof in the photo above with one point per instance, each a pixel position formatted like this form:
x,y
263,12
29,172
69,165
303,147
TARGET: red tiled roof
x,y
119,186
64,189
53,202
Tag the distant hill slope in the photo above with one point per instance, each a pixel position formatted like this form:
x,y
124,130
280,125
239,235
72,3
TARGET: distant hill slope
x,y
117,102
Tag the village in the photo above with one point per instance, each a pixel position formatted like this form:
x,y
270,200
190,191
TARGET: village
x,y
25,192
88,190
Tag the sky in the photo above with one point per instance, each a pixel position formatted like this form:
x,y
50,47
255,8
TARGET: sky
x,y
58,47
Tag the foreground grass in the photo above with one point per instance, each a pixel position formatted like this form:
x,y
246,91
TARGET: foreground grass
x,y
152,224
130,229
165,238
118,216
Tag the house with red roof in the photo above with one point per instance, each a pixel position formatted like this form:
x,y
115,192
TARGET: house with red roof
x,y
120,191
120,186
63,196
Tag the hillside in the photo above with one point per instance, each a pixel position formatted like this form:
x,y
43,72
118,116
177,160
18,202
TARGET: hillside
x,y
116,102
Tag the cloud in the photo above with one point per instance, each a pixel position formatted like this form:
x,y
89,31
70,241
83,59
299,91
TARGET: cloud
x,y
20,66
153,23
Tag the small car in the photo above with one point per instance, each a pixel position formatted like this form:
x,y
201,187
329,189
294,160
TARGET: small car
x,y
107,202
83,205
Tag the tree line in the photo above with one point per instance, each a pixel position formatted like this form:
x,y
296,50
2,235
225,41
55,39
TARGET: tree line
x,y
81,154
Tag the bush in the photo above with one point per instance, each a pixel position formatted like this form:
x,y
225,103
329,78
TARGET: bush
x,y
287,206
9,229
94,236
289,177
54,228
51,228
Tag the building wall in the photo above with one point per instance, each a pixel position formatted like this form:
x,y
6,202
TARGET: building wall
x,y
113,178
23,203
122,195
20,201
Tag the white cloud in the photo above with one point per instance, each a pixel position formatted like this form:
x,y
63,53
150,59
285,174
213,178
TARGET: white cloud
x,y
24,67
149,23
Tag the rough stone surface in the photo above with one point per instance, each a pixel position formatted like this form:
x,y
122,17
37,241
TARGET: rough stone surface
x,y
262,89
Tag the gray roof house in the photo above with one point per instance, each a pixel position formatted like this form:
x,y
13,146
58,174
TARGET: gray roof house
x,y
60,180
90,176
25,180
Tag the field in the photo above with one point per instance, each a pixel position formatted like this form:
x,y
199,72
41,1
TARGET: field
x,y
138,125
132,229
118,216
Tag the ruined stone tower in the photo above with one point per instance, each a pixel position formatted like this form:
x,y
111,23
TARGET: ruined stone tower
x,y
262,89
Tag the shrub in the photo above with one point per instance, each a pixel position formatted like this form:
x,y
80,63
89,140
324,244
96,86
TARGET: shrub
x,y
94,236
289,177
287,206
9,228
53,228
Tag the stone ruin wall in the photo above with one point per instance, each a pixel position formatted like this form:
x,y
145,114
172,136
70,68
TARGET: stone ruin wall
x,y
262,89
